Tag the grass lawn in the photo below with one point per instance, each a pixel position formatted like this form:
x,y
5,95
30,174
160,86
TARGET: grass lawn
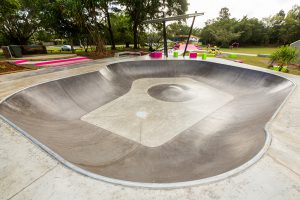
x,y
2,57
251,50
261,62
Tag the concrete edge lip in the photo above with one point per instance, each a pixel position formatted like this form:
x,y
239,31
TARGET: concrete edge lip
x,y
156,185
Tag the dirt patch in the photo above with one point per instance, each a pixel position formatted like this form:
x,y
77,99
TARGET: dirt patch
x,y
94,55
6,68
108,54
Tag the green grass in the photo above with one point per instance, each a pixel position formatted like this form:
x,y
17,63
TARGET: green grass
x,y
2,57
261,62
253,60
251,50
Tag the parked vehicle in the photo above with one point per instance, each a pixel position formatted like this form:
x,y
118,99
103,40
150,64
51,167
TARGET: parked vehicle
x,y
66,48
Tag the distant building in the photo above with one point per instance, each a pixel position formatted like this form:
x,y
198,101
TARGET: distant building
x,y
184,38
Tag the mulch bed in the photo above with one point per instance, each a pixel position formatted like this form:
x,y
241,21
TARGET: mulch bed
x,y
108,54
94,55
6,68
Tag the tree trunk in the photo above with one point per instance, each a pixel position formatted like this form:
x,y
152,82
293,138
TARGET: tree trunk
x,y
96,35
135,37
72,46
112,39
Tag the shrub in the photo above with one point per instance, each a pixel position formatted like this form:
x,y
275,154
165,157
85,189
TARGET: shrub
x,y
284,56
277,68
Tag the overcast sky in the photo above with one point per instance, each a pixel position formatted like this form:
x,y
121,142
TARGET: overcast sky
x,y
238,8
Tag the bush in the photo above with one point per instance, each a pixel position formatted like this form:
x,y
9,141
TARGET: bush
x,y
277,68
284,56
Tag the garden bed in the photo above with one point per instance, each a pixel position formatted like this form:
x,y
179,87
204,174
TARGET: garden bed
x,y
94,55
6,68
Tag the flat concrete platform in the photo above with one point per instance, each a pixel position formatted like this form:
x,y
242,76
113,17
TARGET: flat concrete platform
x,y
275,176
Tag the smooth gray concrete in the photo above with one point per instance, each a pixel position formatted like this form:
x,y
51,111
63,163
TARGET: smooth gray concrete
x,y
223,140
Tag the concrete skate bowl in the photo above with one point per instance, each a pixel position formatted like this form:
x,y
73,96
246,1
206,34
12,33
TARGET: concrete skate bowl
x,y
152,123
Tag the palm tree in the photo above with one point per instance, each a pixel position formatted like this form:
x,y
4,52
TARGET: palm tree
x,y
284,56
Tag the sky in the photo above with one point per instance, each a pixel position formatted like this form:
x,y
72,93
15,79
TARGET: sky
x,y
238,8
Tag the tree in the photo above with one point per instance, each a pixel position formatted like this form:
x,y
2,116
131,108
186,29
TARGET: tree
x,y
19,20
74,19
285,55
221,31
122,28
292,24
139,11
224,14
277,28
177,28
253,31
108,5
58,17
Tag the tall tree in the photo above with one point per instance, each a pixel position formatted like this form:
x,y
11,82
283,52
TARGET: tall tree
x,y
138,11
72,19
108,6
253,31
19,20
277,27
122,28
224,14
221,31
292,25
180,28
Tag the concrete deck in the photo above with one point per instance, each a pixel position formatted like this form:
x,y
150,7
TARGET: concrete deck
x,y
29,173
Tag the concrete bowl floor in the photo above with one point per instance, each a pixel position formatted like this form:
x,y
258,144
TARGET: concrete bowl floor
x,y
152,121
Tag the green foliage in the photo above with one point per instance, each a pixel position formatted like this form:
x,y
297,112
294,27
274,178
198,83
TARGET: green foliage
x,y
177,29
76,20
284,56
292,24
138,11
282,69
232,56
253,31
278,29
19,20
121,21
122,28
181,28
221,31
43,36
8,6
